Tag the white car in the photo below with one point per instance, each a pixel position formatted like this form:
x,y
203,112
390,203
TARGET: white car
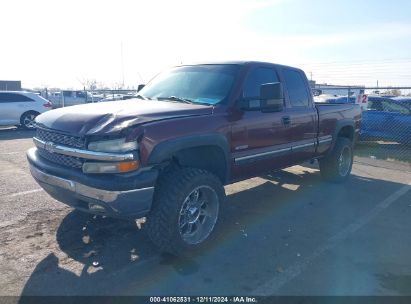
x,y
21,108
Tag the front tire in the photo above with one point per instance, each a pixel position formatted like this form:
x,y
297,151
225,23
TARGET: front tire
x,y
185,210
336,167
27,120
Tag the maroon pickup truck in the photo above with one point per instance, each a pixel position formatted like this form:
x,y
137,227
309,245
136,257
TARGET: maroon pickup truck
x,y
167,154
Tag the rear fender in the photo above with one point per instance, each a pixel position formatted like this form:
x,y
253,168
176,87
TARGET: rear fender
x,y
339,126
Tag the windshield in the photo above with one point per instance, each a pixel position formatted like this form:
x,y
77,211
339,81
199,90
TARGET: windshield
x,y
203,84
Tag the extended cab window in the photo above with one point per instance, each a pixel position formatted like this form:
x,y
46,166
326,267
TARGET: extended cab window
x,y
256,78
12,97
296,87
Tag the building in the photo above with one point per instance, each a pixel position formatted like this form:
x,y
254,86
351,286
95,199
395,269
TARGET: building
x,y
10,85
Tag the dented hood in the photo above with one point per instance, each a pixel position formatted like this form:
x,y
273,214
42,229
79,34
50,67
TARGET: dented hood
x,y
112,117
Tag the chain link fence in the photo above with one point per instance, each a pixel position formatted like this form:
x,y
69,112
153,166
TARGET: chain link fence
x,y
386,119
65,98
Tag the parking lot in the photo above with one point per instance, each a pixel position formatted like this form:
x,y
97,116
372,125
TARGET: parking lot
x,y
285,233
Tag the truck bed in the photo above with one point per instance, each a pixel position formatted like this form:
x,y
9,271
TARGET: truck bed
x,y
332,114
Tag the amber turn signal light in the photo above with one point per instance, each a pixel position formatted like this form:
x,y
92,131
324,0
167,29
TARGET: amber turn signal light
x,y
128,166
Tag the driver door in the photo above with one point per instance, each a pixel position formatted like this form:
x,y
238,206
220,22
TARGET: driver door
x,y
260,141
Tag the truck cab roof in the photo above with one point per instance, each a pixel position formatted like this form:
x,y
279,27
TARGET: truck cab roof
x,y
240,62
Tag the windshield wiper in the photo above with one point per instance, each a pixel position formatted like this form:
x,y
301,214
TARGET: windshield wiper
x,y
175,98
142,97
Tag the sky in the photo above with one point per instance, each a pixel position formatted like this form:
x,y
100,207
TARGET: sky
x,y
46,43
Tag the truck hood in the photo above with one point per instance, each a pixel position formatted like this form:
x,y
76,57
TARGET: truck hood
x,y
112,117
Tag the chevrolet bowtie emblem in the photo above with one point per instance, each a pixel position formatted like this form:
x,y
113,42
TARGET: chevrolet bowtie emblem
x,y
49,146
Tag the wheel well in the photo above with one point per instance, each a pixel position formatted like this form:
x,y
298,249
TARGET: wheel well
x,y
210,158
30,111
347,132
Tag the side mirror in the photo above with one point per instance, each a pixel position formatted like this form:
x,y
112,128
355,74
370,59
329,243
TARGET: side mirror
x,y
271,99
140,86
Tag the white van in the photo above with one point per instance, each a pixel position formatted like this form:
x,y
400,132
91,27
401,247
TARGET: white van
x,y
21,108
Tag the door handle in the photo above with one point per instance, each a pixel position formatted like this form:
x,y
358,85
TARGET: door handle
x,y
286,120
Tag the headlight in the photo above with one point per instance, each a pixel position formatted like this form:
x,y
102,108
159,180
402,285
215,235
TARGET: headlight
x,y
114,145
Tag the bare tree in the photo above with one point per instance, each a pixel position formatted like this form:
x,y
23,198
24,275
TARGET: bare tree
x,y
394,92
91,84
118,86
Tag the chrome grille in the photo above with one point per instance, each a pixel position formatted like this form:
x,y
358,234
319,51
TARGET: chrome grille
x,y
57,138
61,139
63,160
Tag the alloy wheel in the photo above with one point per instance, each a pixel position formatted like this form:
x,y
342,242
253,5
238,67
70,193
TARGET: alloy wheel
x,y
198,215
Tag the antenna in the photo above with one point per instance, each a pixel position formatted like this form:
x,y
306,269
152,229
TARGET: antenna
x,y
139,75
122,65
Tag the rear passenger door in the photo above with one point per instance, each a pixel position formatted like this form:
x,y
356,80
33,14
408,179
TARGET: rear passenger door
x,y
385,120
395,122
301,118
5,118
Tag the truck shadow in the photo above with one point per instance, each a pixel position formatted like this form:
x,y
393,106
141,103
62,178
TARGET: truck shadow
x,y
117,259
8,133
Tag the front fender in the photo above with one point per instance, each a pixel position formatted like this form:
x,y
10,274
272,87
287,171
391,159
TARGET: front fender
x,y
164,151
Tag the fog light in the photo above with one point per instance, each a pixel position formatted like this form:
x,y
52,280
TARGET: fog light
x,y
96,208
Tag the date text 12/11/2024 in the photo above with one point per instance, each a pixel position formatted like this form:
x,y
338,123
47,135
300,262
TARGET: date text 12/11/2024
x,y
199,299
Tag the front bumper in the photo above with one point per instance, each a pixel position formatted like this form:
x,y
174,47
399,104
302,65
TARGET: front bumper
x,y
127,196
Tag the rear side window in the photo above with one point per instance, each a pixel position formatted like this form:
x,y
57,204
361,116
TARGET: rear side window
x,y
256,78
13,97
296,87
387,106
393,107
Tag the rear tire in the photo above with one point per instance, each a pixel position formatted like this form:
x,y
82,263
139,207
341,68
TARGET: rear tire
x,y
185,210
336,167
27,120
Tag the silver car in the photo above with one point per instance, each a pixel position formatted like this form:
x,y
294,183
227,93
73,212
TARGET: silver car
x,y
21,108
